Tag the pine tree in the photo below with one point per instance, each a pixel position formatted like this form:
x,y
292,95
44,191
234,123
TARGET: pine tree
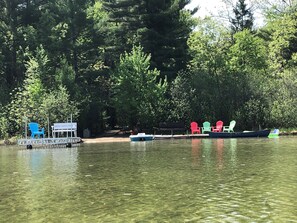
x,y
162,27
243,17
120,28
168,28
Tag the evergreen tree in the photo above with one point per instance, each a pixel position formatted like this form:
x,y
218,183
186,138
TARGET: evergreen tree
x,y
120,28
243,17
168,27
11,33
161,27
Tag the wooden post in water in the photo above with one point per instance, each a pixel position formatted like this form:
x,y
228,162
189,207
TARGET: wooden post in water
x,y
25,127
48,128
71,124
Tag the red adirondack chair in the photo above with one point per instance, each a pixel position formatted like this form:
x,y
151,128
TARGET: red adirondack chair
x,y
218,127
195,128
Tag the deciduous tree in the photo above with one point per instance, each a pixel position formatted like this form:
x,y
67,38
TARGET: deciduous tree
x,y
137,94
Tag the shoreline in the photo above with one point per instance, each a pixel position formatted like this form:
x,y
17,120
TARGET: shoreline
x,y
111,139
105,139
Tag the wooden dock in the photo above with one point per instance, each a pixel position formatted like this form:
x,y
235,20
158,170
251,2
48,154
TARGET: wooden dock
x,y
44,142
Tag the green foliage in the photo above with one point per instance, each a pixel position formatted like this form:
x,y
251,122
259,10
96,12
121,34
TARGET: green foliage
x,y
248,53
226,81
214,73
168,26
161,27
253,114
248,68
283,112
277,8
27,99
33,102
97,13
209,76
4,125
283,44
207,47
281,89
282,100
137,96
184,99
65,76
57,106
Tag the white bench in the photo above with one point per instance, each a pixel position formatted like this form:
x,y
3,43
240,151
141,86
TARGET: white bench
x,y
70,127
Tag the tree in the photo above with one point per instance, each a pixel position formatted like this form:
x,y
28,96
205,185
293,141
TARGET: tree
x,y
248,69
282,100
35,102
283,44
121,20
282,65
248,53
184,99
167,28
208,74
74,46
57,106
137,95
275,8
11,41
161,27
243,17
27,99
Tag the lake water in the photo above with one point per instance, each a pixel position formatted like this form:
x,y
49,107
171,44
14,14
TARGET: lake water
x,y
199,180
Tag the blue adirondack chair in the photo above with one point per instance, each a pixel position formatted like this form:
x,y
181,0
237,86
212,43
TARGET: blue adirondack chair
x,y
206,127
35,131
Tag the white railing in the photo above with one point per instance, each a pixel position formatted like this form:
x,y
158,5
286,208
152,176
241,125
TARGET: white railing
x,y
68,127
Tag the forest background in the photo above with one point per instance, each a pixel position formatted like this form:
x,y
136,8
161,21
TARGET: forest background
x,y
115,63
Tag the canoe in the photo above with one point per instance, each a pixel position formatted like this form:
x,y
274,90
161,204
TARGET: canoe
x,y
141,137
261,133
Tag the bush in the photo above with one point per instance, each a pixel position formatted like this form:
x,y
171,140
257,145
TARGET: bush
x,y
3,127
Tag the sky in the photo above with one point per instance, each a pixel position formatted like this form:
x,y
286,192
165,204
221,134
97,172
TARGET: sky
x,y
213,7
207,7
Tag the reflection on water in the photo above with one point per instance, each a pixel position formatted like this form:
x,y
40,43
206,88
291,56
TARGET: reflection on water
x,y
198,180
196,152
219,152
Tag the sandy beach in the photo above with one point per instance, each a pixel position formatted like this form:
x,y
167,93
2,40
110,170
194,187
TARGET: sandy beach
x,y
106,139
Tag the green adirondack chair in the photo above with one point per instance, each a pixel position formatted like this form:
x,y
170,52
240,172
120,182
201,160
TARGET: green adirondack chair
x,y
206,127
230,127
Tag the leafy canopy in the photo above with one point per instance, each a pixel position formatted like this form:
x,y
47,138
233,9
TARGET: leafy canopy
x,y
137,94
